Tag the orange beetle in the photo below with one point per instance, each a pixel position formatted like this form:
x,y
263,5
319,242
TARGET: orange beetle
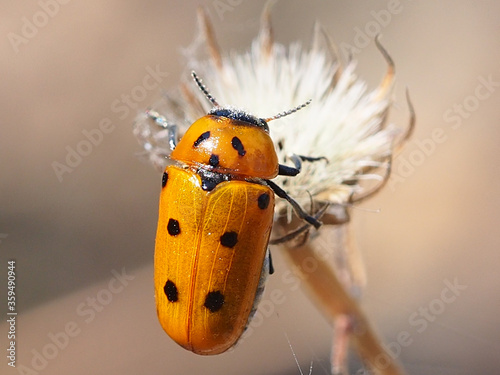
x,y
215,219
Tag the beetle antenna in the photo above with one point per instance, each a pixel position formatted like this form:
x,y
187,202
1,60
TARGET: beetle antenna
x,y
290,111
204,90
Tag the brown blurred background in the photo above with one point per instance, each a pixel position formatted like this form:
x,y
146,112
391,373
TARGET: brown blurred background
x,y
71,235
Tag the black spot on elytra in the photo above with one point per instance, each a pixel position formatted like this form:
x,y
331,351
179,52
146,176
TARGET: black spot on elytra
x,y
214,160
201,138
238,146
229,239
164,179
171,291
173,227
263,201
214,301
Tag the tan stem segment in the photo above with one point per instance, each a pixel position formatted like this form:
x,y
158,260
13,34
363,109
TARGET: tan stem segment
x,y
337,303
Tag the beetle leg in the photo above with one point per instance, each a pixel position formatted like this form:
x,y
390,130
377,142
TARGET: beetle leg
x,y
291,235
271,267
285,170
297,160
304,229
298,209
162,122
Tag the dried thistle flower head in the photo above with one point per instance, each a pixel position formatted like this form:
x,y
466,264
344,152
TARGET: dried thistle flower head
x,y
345,123
344,132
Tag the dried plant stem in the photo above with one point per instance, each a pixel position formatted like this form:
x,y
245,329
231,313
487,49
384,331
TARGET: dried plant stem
x,y
342,328
337,303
